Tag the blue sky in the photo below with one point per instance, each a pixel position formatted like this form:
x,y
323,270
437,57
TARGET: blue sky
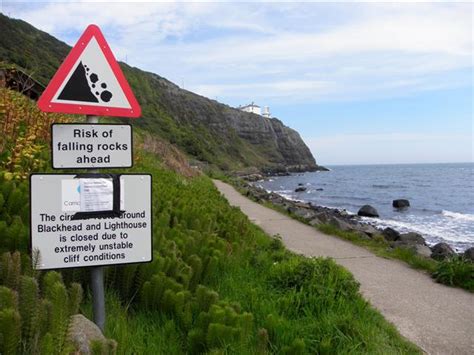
x,y
363,83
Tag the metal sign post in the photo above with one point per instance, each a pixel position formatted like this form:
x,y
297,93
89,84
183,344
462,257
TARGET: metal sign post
x,y
97,273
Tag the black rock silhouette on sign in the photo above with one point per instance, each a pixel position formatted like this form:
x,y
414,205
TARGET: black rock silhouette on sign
x,y
77,88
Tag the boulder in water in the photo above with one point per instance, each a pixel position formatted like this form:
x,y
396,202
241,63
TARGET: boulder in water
x,y
368,211
441,251
401,203
300,189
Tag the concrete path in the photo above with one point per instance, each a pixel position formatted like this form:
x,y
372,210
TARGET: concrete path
x,y
439,319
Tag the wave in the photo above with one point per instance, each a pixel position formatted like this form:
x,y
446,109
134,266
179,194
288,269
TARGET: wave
x,y
347,198
433,232
458,216
381,186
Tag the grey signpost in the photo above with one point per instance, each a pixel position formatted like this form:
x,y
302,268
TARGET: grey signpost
x,y
97,273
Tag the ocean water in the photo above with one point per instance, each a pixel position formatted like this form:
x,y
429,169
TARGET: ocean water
x,y
441,196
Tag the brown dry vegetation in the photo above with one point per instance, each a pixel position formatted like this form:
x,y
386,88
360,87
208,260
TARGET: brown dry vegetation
x,y
25,131
170,156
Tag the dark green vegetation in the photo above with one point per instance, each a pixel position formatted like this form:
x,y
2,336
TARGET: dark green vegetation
x,y
217,283
215,135
455,272
35,309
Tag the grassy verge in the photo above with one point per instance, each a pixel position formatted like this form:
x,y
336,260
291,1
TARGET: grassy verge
x,y
381,247
306,305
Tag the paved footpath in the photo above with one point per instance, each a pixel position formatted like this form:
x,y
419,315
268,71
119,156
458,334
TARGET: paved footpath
x,y
439,319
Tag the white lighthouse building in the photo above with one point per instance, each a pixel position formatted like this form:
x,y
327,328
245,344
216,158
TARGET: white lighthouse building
x,y
253,108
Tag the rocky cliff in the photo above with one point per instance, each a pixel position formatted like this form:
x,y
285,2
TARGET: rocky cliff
x,y
251,140
206,130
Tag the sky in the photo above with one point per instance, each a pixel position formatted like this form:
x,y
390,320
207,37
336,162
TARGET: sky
x,y
363,83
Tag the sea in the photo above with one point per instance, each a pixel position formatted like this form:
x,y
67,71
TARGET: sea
x,y
441,196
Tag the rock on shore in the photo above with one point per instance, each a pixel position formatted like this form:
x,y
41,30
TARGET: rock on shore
x,y
442,251
317,215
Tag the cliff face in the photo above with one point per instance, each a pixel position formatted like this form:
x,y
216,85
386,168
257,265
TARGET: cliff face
x,y
264,143
206,130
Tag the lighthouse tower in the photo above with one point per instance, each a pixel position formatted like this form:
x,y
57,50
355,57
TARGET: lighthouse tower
x,y
266,112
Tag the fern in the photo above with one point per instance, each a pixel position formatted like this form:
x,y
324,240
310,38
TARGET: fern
x,y
205,298
10,269
10,331
196,341
59,321
8,298
30,312
48,345
49,280
103,347
75,298
196,265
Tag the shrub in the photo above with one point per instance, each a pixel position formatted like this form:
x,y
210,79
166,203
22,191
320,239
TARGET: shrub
x,y
455,272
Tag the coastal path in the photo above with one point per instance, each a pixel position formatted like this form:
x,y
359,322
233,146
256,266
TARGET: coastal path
x,y
438,318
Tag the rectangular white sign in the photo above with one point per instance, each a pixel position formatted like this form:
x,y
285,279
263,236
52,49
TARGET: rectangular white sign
x,y
60,242
80,146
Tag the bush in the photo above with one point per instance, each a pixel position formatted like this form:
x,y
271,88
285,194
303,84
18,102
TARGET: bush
x,y
455,272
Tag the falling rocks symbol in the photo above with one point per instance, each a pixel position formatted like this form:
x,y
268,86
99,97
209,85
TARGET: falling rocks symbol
x,y
78,89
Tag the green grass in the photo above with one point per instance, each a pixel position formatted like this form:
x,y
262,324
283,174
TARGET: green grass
x,y
138,331
307,305
455,272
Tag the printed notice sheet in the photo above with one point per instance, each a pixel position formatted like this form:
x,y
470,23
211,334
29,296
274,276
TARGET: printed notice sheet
x,y
96,195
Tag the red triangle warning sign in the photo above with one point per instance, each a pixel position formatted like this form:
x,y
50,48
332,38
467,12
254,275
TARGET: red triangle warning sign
x,y
90,82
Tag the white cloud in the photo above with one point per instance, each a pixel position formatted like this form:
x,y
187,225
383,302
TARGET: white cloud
x,y
295,52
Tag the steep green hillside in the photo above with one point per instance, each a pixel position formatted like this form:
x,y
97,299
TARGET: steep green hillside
x,y
207,130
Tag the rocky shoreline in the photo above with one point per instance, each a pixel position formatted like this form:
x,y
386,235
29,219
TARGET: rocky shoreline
x,y
315,215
